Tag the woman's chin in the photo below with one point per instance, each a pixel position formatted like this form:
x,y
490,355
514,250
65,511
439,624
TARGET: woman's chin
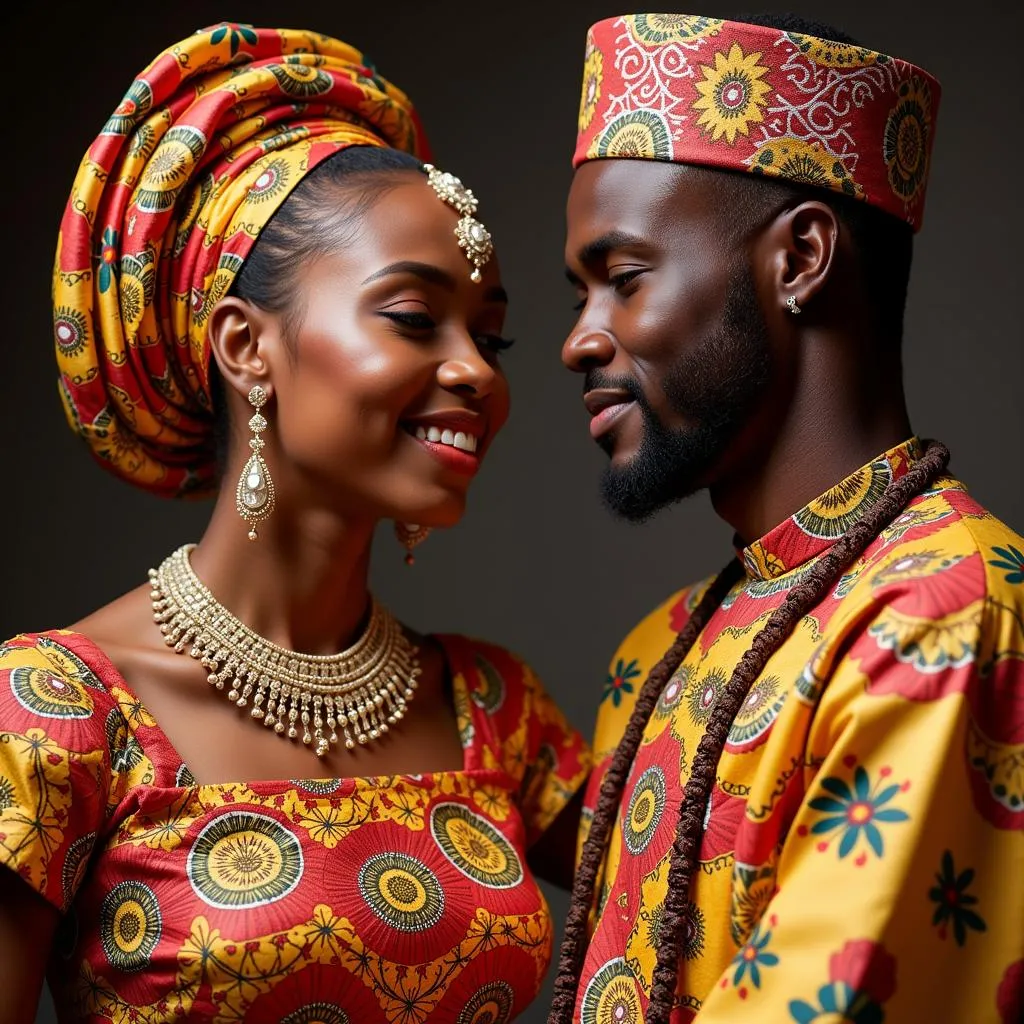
x,y
435,516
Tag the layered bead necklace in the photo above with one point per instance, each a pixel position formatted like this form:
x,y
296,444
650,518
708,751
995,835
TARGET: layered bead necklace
x,y
358,692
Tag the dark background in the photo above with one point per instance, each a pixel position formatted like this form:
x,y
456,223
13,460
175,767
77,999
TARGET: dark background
x,y
536,563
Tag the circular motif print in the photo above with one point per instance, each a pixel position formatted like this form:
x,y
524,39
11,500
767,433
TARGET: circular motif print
x,y
317,1013
242,859
829,54
70,331
702,694
831,515
300,80
611,997
321,787
639,134
670,697
475,846
491,1004
170,168
45,694
125,750
646,807
75,862
130,925
806,163
137,103
907,139
657,30
490,691
756,715
402,891
272,181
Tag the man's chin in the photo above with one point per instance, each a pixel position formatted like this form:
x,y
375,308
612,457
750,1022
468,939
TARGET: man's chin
x,y
631,494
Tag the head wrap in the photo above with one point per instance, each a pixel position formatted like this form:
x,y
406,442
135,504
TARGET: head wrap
x,y
167,203
725,94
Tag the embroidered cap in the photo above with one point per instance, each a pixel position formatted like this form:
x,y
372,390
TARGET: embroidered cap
x,y
698,90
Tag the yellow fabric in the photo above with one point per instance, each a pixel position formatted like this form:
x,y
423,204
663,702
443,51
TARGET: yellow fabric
x,y
864,851
205,146
362,900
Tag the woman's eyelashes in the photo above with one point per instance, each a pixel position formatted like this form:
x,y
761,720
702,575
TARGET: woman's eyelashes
x,y
495,342
423,322
414,321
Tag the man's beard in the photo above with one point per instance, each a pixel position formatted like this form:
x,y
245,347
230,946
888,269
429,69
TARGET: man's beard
x,y
714,387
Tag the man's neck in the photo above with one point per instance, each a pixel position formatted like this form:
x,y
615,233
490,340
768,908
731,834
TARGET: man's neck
x,y
829,431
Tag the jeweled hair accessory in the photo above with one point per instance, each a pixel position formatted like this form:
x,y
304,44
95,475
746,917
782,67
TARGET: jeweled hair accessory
x,y
473,237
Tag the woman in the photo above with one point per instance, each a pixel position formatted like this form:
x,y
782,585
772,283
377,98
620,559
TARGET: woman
x,y
336,829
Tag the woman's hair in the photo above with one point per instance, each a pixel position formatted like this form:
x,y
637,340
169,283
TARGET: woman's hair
x,y
801,598
321,215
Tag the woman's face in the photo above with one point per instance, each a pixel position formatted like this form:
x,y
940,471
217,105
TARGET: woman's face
x,y
391,390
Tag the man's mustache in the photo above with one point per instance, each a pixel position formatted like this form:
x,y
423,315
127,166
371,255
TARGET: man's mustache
x,y
596,379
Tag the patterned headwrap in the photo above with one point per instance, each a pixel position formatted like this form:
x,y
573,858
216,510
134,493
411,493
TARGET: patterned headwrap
x,y
697,90
168,200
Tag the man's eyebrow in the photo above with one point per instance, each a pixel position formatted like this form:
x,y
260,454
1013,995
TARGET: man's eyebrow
x,y
599,247
596,250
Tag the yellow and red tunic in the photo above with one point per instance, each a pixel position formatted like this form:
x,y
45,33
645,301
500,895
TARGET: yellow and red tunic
x,y
387,899
863,853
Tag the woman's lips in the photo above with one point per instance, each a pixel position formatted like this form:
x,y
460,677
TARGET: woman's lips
x,y
452,441
452,457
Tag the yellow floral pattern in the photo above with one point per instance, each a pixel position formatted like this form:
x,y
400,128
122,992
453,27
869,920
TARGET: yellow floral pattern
x,y
732,95
394,898
869,803
593,72
760,100
206,144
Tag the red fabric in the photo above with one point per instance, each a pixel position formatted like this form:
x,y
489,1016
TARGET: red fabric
x,y
366,900
741,97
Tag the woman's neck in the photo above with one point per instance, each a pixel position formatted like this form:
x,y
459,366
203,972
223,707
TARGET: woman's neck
x,y
302,584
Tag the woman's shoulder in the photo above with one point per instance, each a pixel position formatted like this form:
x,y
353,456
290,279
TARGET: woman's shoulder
x,y
498,684
57,681
65,654
484,663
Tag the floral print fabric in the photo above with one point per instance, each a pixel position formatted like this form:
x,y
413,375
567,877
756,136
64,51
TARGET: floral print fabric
x,y
863,842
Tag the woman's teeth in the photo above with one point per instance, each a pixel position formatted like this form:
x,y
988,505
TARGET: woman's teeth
x,y
454,438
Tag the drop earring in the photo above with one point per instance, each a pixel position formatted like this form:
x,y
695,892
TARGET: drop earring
x,y
254,497
409,535
792,306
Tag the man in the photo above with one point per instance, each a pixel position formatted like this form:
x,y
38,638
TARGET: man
x,y
816,808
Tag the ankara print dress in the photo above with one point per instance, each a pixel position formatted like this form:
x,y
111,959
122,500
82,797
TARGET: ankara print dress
x,y
397,899
863,853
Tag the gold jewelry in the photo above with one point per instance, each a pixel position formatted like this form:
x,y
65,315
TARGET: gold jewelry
x,y
254,496
473,237
409,536
360,691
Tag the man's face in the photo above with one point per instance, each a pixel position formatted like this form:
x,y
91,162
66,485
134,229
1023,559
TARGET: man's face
x,y
670,336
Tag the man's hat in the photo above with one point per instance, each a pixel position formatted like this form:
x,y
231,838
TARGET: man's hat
x,y
726,94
